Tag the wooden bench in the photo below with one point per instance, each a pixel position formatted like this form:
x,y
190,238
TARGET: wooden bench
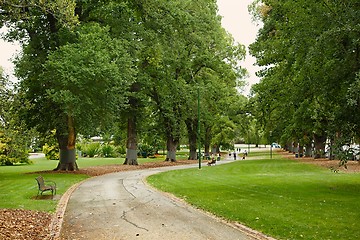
x,y
45,186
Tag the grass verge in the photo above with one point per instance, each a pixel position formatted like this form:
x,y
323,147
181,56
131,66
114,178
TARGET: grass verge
x,y
282,198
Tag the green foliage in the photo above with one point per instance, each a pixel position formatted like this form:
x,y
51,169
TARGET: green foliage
x,y
51,152
14,138
146,150
11,152
116,59
108,150
120,149
309,78
85,76
91,149
51,147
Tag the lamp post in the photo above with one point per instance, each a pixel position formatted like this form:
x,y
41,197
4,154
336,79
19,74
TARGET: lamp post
x,y
270,145
199,143
248,142
248,115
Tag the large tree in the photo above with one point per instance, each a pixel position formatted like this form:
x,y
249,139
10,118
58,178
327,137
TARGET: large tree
x,y
70,75
187,50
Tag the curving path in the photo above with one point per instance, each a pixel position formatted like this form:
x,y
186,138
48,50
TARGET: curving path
x,y
121,206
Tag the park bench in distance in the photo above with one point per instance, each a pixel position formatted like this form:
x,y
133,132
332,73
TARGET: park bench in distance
x,y
45,186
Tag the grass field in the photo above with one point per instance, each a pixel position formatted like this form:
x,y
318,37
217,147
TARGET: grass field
x,y
18,186
282,198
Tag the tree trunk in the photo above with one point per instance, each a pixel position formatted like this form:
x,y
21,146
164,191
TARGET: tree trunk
x,y
207,141
67,147
131,143
171,146
214,149
308,150
301,150
319,146
191,126
295,145
291,147
331,149
217,149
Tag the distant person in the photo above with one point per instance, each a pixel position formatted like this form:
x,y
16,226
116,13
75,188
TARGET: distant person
x,y
234,155
218,157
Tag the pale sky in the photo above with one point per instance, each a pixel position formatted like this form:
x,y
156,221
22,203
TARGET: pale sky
x,y
7,52
236,20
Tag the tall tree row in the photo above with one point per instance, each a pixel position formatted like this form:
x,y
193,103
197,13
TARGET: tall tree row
x,y
89,64
309,51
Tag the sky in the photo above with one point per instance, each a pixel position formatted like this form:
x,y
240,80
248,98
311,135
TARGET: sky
x,y
7,51
236,20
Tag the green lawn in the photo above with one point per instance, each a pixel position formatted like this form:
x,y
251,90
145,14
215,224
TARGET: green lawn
x,y
18,186
282,198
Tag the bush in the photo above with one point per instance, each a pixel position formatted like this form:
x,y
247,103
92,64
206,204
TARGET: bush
x,y
12,150
91,149
120,151
51,152
108,150
146,150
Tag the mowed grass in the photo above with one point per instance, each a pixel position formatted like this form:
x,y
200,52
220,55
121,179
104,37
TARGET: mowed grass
x,y
18,187
282,198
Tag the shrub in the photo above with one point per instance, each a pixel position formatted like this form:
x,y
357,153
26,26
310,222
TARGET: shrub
x,y
91,149
108,150
120,151
12,150
51,152
146,150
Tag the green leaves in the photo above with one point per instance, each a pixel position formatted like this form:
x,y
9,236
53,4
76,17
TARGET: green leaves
x,y
84,76
311,50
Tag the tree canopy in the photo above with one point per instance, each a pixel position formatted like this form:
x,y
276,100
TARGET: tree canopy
x,y
309,51
87,65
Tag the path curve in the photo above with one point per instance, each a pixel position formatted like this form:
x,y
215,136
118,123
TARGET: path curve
x,y
122,206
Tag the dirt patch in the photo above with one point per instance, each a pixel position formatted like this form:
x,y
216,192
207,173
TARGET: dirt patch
x,y
101,170
351,166
23,224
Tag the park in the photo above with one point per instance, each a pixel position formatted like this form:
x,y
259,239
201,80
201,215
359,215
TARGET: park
x,y
126,119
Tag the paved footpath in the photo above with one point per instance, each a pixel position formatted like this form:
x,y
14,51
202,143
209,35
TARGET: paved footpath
x,y
122,206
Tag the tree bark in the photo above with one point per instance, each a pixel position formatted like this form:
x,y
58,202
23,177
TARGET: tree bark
x,y
319,146
308,150
301,150
171,146
295,148
131,143
67,147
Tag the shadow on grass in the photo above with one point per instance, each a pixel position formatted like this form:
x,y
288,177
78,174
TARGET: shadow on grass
x,y
46,197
